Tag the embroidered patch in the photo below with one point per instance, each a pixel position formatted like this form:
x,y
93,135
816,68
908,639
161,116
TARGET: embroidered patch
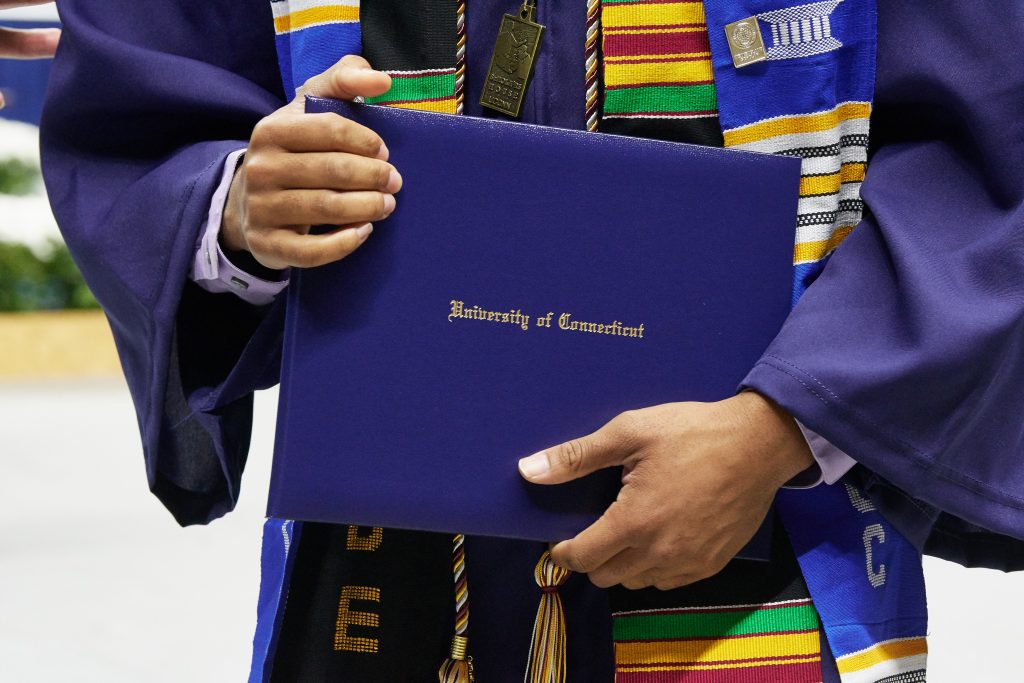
x,y
801,31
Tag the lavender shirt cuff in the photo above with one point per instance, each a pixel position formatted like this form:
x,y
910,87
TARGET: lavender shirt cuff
x,y
830,463
211,269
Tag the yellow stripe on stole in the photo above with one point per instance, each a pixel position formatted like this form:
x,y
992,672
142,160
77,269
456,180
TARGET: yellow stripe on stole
x,y
656,14
648,58
829,184
788,125
445,106
315,15
715,651
819,249
643,31
883,652
689,71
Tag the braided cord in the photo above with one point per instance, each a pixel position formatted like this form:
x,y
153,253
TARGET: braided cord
x,y
460,54
591,61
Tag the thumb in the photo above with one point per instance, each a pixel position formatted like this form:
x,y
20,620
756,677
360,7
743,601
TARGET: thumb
x,y
350,78
576,458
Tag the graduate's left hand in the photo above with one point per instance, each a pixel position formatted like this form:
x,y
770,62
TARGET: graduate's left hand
x,y
39,43
698,480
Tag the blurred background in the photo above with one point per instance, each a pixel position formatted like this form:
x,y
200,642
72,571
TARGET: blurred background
x,y
97,583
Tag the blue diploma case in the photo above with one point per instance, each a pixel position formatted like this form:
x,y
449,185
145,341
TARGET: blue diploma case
x,y
531,284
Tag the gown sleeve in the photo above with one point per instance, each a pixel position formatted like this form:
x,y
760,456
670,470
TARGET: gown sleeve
x,y
908,351
145,102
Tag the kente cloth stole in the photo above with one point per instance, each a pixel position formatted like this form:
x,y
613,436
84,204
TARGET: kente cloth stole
x,y
668,68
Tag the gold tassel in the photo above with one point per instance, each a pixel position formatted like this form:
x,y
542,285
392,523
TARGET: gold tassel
x,y
458,668
547,651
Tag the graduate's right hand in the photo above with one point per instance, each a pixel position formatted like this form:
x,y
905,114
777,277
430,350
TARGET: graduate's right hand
x,y
304,169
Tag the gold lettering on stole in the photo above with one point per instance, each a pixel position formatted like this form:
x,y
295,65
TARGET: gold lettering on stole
x,y
350,617
357,541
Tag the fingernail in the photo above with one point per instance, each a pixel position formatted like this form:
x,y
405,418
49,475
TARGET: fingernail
x,y
535,465
393,181
383,153
364,230
389,204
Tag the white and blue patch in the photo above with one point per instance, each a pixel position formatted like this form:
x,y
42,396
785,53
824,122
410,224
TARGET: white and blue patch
x,y
801,31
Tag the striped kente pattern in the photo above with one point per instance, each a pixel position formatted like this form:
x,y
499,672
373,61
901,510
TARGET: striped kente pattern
x,y
773,642
427,90
892,661
832,146
295,15
301,27
657,60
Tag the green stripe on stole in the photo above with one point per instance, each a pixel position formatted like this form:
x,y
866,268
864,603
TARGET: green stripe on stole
x,y
715,624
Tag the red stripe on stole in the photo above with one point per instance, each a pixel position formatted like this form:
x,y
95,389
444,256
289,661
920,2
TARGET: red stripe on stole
x,y
805,672
716,609
677,42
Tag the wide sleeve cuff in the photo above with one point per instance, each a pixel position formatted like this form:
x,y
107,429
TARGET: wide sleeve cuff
x,y
211,268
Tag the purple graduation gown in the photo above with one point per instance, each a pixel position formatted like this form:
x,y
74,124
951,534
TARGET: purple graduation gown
x,y
908,352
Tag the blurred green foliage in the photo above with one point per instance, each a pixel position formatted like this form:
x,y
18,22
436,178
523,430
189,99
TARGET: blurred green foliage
x,y
17,177
30,282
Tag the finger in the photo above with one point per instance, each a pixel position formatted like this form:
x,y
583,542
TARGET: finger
x,y
673,582
287,248
337,171
321,207
639,582
351,77
608,446
320,133
22,3
595,545
626,565
28,43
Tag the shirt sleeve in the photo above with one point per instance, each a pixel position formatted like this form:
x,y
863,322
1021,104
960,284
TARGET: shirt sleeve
x,y
212,269
830,462
908,351
145,102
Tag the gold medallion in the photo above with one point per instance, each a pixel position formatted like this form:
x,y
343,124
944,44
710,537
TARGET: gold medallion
x,y
512,62
745,42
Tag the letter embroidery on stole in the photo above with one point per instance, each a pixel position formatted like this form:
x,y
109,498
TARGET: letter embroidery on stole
x,y
357,541
350,617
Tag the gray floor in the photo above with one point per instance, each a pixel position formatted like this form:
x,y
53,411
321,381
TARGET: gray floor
x,y
98,584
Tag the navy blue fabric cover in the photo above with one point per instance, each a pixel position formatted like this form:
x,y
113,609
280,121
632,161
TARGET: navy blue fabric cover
x,y
394,413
